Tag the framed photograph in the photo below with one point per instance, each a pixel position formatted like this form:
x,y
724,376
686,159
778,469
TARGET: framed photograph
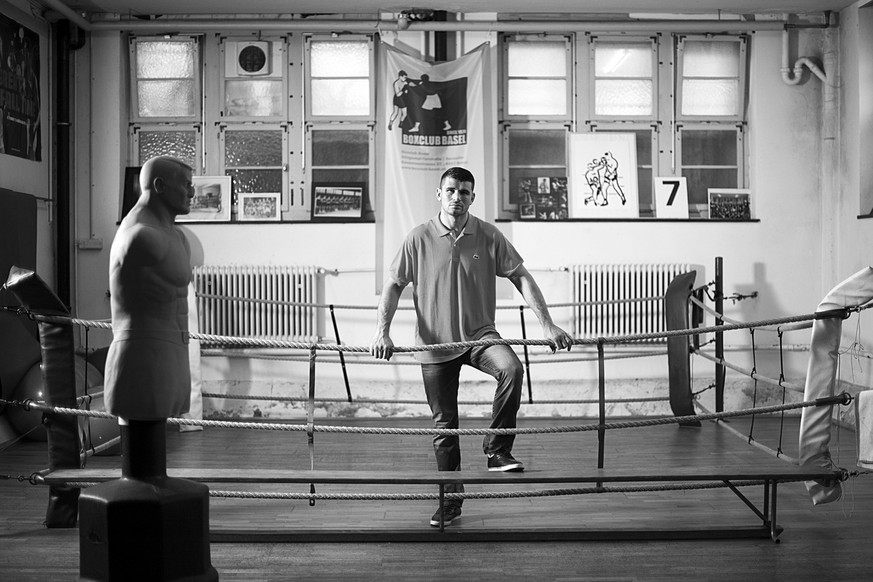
x,y
337,201
603,175
527,211
730,204
211,201
252,206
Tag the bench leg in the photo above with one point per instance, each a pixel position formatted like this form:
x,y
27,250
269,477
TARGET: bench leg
x,y
774,531
442,504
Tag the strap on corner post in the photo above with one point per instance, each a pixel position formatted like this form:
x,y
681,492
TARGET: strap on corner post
x,y
342,357
526,358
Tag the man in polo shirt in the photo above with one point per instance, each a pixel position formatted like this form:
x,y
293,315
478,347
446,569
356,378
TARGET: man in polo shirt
x,y
453,262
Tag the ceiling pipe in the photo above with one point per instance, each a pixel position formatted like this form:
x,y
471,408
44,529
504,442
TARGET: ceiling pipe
x,y
69,13
403,24
793,76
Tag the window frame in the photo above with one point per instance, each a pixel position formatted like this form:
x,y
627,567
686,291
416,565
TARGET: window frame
x,y
281,50
135,130
503,106
371,151
260,127
740,115
308,39
197,80
591,105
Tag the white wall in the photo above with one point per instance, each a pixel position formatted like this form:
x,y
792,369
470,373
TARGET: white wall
x,y
780,256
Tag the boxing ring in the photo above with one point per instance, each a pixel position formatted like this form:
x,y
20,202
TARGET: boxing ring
x,y
692,450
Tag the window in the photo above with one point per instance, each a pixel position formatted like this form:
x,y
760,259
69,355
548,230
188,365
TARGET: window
x,y
339,78
254,80
165,99
624,99
710,116
284,113
682,96
538,78
255,160
624,82
166,80
536,111
340,117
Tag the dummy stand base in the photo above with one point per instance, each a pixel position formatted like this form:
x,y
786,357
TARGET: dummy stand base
x,y
145,526
156,530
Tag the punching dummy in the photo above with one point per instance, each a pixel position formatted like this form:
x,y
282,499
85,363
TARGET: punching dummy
x,y
821,377
146,525
147,368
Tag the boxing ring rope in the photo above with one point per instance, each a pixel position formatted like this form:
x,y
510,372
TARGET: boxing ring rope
x,y
600,427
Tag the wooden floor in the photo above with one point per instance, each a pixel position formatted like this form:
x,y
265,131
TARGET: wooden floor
x,y
830,542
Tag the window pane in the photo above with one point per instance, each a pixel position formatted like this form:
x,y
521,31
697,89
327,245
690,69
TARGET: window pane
x,y
711,59
253,98
166,98
165,60
710,97
256,180
623,97
709,148
537,97
340,148
537,148
340,97
340,59
178,144
253,148
699,179
622,60
537,59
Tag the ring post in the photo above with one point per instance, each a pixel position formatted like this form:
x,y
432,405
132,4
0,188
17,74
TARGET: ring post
x,y
678,350
601,405
58,371
719,335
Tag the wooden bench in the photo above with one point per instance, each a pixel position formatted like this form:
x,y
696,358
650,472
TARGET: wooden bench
x,y
768,527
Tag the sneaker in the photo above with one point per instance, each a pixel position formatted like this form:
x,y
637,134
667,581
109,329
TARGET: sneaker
x,y
503,461
450,513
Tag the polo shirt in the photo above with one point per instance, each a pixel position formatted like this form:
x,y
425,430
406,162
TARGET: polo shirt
x,y
454,285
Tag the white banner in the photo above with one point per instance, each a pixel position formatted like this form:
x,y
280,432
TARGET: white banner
x,y
432,118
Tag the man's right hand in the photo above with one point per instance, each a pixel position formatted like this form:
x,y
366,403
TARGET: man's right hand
x,y
382,347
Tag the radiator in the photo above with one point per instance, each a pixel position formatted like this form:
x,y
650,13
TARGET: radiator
x,y
258,301
602,283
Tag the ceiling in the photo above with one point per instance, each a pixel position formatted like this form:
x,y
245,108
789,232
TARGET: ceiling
x,y
373,7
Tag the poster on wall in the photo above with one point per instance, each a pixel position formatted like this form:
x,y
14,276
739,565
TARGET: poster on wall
x,y
20,132
431,118
543,198
603,175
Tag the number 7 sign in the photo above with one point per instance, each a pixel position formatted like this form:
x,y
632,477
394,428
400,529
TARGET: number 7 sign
x,y
671,197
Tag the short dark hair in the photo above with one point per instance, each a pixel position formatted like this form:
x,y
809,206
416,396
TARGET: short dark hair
x,y
460,174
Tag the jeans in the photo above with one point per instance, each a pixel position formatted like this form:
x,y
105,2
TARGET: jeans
x,y
441,383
